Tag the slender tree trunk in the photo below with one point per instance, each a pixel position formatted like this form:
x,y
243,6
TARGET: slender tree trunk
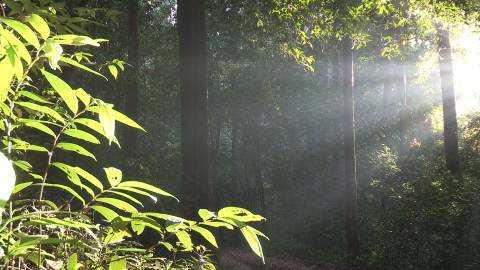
x,y
197,187
351,226
450,127
131,84
405,110
388,90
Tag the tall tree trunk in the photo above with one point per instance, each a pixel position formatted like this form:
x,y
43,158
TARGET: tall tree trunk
x,y
450,136
197,187
131,84
450,127
405,109
351,226
388,89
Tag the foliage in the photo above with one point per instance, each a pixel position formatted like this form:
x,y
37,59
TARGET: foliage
x,y
62,214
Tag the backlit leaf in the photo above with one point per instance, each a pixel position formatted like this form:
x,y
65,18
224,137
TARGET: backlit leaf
x,y
64,90
76,148
23,30
39,25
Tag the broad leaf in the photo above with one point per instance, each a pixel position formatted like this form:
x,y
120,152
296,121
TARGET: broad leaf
x,y
114,176
117,263
145,186
64,90
43,109
76,148
23,30
81,135
117,203
206,234
40,25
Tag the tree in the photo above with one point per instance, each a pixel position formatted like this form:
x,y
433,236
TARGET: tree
x,y
349,150
194,120
448,99
131,85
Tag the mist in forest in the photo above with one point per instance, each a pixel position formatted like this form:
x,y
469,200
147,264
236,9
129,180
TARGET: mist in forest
x,y
315,134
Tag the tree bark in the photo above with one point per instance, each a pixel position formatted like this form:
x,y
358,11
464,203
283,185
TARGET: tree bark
x,y
131,84
450,127
351,227
197,188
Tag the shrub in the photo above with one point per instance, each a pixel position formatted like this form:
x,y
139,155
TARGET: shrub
x,y
61,216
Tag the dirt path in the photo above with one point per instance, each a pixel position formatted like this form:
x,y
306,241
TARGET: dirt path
x,y
233,259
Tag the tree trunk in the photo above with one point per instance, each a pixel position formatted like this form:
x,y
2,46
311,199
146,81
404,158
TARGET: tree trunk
x,y
351,227
388,89
450,128
131,84
197,188
405,110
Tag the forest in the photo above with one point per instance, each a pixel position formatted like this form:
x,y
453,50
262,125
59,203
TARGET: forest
x,y
240,134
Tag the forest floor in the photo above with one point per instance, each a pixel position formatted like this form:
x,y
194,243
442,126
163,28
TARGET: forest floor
x,y
235,259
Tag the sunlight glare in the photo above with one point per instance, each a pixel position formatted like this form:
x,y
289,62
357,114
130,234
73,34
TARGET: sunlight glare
x,y
467,70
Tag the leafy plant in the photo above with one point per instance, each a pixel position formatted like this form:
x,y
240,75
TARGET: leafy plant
x,y
62,216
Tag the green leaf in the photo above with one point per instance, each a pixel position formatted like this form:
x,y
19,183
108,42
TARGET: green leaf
x,y
117,263
253,241
125,196
23,30
95,126
84,97
117,116
184,239
42,109
64,90
114,237
113,70
206,214
122,205
78,65
41,127
40,25
66,188
6,77
206,234
81,135
76,148
218,224
138,191
72,263
21,187
75,40
89,177
23,165
114,176
69,171
126,120
107,120
145,186
33,97
139,222
167,217
18,46
107,213
8,179
239,214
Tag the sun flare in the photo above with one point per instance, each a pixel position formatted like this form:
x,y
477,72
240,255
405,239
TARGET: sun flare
x,y
467,70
